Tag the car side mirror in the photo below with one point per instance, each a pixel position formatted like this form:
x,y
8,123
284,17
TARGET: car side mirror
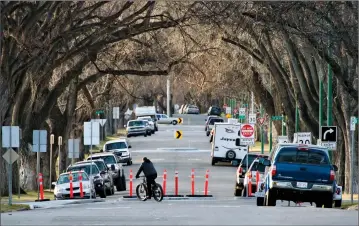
x,y
266,162
113,167
129,146
238,142
125,126
335,168
53,183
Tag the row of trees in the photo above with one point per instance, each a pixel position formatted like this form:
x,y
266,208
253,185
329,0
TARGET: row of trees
x,y
61,61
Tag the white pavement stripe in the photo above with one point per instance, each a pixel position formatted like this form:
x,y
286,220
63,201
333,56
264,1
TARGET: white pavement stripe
x,y
109,208
205,206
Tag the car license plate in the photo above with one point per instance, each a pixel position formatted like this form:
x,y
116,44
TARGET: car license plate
x,y
302,184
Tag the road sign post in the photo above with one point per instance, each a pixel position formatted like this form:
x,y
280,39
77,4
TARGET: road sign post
x,y
10,139
353,122
178,134
116,117
39,144
91,137
74,149
59,143
52,141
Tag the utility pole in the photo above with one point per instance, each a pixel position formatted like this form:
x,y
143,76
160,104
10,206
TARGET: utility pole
x,y
168,97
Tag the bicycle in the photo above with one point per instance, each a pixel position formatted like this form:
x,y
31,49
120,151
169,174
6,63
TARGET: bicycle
x,y
157,191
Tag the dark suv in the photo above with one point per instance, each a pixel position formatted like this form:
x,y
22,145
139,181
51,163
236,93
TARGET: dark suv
x,y
213,110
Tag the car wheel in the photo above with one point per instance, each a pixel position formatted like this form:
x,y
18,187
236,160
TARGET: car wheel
x,y
174,122
119,185
213,161
109,191
337,203
208,133
260,201
103,193
237,191
244,192
328,203
128,136
153,131
149,134
270,198
230,154
145,134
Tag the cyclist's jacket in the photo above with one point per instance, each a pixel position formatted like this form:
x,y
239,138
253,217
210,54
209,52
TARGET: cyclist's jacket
x,y
147,168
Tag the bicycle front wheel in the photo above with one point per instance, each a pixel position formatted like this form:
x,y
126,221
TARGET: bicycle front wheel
x,y
141,192
157,192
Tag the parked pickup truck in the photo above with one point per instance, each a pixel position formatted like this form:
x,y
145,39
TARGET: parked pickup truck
x,y
299,173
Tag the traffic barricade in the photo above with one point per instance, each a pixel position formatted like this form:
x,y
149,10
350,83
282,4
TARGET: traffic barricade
x,y
130,187
41,189
205,191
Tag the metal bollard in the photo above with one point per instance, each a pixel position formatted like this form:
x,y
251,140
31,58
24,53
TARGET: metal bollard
x,y
192,180
206,183
71,188
176,183
81,188
130,182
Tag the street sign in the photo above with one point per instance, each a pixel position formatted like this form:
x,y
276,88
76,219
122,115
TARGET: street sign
x,y
39,140
178,134
116,112
128,112
303,138
176,106
228,110
74,148
101,121
247,134
91,133
224,105
228,115
10,156
282,139
252,118
242,112
235,111
99,112
10,133
180,120
329,137
274,118
353,121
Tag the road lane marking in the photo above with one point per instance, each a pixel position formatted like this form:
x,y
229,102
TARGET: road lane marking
x,y
109,208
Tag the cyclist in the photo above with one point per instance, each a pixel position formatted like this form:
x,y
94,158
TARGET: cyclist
x,y
150,174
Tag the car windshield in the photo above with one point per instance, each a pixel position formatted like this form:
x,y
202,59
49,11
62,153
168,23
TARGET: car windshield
x,y
100,165
108,159
85,168
250,159
213,120
308,156
65,178
147,119
117,145
136,123
256,166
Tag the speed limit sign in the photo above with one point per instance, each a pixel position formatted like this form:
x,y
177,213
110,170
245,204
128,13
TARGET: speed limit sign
x,y
282,139
303,138
252,119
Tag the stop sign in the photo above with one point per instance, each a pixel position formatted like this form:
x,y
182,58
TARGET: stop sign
x,y
235,111
247,130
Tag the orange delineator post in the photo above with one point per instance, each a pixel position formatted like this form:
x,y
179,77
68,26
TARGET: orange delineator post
x,y
71,188
130,182
206,183
192,179
81,188
249,184
41,186
164,182
176,182
257,179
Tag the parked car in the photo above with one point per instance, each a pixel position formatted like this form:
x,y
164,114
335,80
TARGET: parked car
x,y
211,122
113,162
192,109
136,128
298,173
164,119
250,175
214,110
105,173
121,148
150,122
94,175
242,171
62,186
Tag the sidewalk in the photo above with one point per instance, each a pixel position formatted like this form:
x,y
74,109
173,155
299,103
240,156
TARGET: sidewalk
x,y
55,203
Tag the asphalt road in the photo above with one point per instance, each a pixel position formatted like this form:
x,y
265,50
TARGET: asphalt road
x,y
191,152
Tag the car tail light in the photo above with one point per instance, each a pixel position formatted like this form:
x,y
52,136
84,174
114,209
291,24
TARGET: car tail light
x,y
240,171
274,170
332,175
302,147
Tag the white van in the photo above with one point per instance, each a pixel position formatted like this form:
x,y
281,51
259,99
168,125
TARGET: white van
x,y
147,111
224,145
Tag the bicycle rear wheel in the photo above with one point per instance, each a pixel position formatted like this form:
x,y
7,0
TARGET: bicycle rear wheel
x,y
157,192
141,192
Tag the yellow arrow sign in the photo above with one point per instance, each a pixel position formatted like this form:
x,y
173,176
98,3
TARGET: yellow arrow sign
x,y
228,116
180,120
178,134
